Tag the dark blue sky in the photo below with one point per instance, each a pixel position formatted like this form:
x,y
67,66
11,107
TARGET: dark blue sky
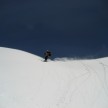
x,y
70,28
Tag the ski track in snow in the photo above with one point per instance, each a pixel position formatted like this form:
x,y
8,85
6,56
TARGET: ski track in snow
x,y
105,67
69,93
103,84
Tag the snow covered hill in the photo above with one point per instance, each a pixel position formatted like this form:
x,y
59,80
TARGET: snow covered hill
x,y
27,82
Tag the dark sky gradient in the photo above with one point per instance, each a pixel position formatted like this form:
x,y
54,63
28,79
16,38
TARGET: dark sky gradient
x,y
69,28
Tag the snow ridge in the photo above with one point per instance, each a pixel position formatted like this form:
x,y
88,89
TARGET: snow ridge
x,y
27,82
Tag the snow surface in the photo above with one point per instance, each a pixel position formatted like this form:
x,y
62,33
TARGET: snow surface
x,y
27,82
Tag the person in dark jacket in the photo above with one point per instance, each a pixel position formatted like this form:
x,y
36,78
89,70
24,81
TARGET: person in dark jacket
x,y
47,54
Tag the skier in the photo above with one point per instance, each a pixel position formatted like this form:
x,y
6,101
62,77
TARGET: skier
x,y
47,54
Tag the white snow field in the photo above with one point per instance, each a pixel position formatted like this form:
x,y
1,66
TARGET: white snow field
x,y
28,82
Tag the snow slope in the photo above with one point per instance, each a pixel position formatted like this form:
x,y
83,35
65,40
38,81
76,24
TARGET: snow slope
x,y
27,82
